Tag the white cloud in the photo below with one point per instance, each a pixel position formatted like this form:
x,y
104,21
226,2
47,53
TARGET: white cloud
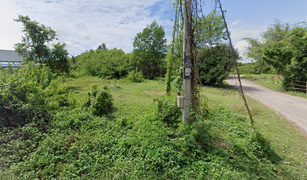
x,y
242,48
10,31
84,25
236,22
238,35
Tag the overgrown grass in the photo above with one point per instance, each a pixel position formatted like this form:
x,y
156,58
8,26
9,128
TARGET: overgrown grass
x,y
145,139
286,138
273,82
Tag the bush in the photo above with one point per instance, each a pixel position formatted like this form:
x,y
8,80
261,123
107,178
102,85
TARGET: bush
x,y
214,64
168,113
103,103
22,95
136,76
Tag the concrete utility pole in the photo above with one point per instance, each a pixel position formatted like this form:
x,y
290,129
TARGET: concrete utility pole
x,y
187,48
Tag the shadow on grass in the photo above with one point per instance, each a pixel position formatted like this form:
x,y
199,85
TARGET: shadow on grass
x,y
256,157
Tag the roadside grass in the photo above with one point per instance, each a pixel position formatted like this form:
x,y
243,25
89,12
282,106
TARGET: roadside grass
x,y
268,80
286,138
273,82
134,143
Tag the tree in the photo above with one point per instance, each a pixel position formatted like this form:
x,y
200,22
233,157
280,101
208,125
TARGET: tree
x,y
210,29
102,47
58,58
34,45
289,56
111,63
214,64
149,50
282,47
272,38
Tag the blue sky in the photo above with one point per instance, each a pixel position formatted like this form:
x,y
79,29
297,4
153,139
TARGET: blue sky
x,y
85,24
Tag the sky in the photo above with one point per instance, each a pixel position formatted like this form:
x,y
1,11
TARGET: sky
x,y
86,24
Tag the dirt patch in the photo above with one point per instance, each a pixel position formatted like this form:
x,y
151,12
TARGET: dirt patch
x,y
277,77
154,92
253,79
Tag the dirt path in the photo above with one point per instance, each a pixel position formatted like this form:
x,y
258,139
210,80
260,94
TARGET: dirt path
x,y
292,107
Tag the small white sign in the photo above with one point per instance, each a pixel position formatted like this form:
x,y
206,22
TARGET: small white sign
x,y
187,71
180,101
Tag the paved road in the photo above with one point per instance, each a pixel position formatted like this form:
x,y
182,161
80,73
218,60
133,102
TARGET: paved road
x,y
292,107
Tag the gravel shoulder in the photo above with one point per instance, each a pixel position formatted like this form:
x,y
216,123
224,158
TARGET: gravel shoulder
x,y
292,107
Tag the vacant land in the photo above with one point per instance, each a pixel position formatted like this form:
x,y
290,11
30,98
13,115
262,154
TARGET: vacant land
x,y
145,139
284,136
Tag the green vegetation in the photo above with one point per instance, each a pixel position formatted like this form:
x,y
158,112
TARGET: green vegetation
x,y
144,136
113,63
23,95
106,121
135,76
280,58
146,60
268,80
282,49
208,34
150,50
258,67
33,45
285,137
214,64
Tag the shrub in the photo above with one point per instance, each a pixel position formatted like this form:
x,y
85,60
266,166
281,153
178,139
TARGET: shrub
x,y
136,76
168,113
103,103
214,64
22,95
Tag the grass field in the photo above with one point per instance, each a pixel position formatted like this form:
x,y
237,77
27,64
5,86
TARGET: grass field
x,y
286,139
138,141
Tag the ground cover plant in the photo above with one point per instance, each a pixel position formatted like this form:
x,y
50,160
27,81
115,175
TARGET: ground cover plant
x,y
144,138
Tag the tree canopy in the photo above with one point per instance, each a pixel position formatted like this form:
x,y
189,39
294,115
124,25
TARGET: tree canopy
x,y
34,45
283,48
276,33
111,63
102,47
149,50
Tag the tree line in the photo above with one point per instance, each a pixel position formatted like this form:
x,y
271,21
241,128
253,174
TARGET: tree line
x,y
147,60
282,49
